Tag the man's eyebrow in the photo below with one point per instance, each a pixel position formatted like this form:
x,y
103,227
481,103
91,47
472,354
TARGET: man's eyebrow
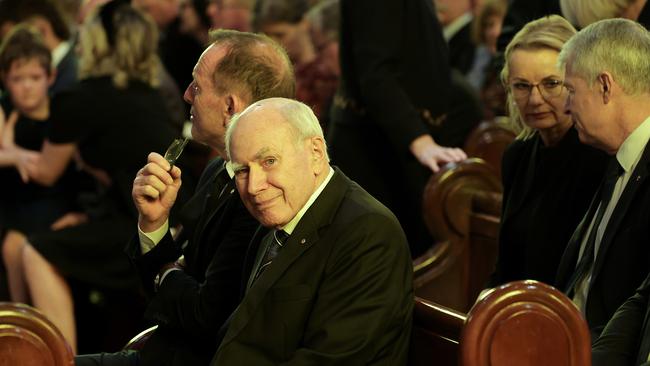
x,y
263,152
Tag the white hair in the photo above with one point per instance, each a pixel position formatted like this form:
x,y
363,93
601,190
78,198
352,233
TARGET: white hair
x,y
304,123
618,46
581,13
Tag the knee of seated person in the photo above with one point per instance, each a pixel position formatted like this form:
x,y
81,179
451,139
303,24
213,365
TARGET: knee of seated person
x,y
11,248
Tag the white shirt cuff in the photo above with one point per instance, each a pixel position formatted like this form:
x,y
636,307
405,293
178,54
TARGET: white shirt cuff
x,y
150,240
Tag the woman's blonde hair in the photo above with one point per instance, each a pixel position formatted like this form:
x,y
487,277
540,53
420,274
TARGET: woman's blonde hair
x,y
121,42
547,33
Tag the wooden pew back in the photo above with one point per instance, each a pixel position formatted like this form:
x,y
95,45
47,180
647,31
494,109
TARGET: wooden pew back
x,y
28,338
488,141
462,205
435,336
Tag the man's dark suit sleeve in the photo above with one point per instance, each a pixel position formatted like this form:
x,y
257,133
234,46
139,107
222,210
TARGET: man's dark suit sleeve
x,y
200,308
377,45
619,343
149,264
363,290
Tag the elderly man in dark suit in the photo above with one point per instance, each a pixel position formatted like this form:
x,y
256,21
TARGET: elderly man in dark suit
x,y
193,297
608,80
331,283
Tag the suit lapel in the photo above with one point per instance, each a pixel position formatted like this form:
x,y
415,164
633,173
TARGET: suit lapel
x,y
570,256
209,210
303,238
636,180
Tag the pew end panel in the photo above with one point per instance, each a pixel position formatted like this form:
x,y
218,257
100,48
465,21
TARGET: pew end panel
x,y
525,323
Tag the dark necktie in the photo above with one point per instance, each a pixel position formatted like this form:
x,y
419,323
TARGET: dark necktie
x,y
275,240
613,172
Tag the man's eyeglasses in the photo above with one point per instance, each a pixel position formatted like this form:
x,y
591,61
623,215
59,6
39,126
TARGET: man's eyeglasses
x,y
548,88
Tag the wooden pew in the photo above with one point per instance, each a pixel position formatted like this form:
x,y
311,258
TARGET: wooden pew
x,y
436,334
28,338
523,323
488,141
462,207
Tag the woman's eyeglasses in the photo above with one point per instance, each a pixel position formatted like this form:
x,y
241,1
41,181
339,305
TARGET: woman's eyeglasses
x,y
548,88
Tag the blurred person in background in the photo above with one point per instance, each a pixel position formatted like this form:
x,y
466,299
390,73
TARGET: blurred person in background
x,y
111,120
285,21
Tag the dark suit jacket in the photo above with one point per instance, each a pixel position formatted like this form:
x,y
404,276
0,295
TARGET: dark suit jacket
x,y
626,337
339,293
390,63
623,258
191,305
462,50
546,192
395,82
66,72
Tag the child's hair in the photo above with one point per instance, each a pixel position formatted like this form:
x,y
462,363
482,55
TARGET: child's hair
x,y
23,44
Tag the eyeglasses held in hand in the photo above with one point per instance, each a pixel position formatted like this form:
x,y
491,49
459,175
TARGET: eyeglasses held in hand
x,y
175,150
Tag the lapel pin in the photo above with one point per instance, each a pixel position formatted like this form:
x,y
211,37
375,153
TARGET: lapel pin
x,y
303,241
638,178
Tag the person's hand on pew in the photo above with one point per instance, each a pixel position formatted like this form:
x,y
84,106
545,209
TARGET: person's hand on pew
x,y
433,155
155,188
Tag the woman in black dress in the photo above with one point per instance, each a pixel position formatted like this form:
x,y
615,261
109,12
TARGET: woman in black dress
x,y
549,177
110,120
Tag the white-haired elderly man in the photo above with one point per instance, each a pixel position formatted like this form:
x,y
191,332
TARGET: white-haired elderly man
x,y
331,281
608,79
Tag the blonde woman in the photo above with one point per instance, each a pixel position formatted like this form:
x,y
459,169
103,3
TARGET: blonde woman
x,y
111,120
549,177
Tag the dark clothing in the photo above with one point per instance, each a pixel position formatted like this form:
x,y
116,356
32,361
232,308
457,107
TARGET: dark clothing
x,y
191,305
626,337
623,257
462,50
340,292
521,12
394,88
114,130
179,52
30,207
66,72
546,193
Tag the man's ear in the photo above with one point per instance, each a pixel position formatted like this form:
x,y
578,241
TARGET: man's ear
x,y
605,84
317,149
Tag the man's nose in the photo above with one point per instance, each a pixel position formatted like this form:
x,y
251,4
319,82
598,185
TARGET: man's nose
x,y
187,96
256,180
